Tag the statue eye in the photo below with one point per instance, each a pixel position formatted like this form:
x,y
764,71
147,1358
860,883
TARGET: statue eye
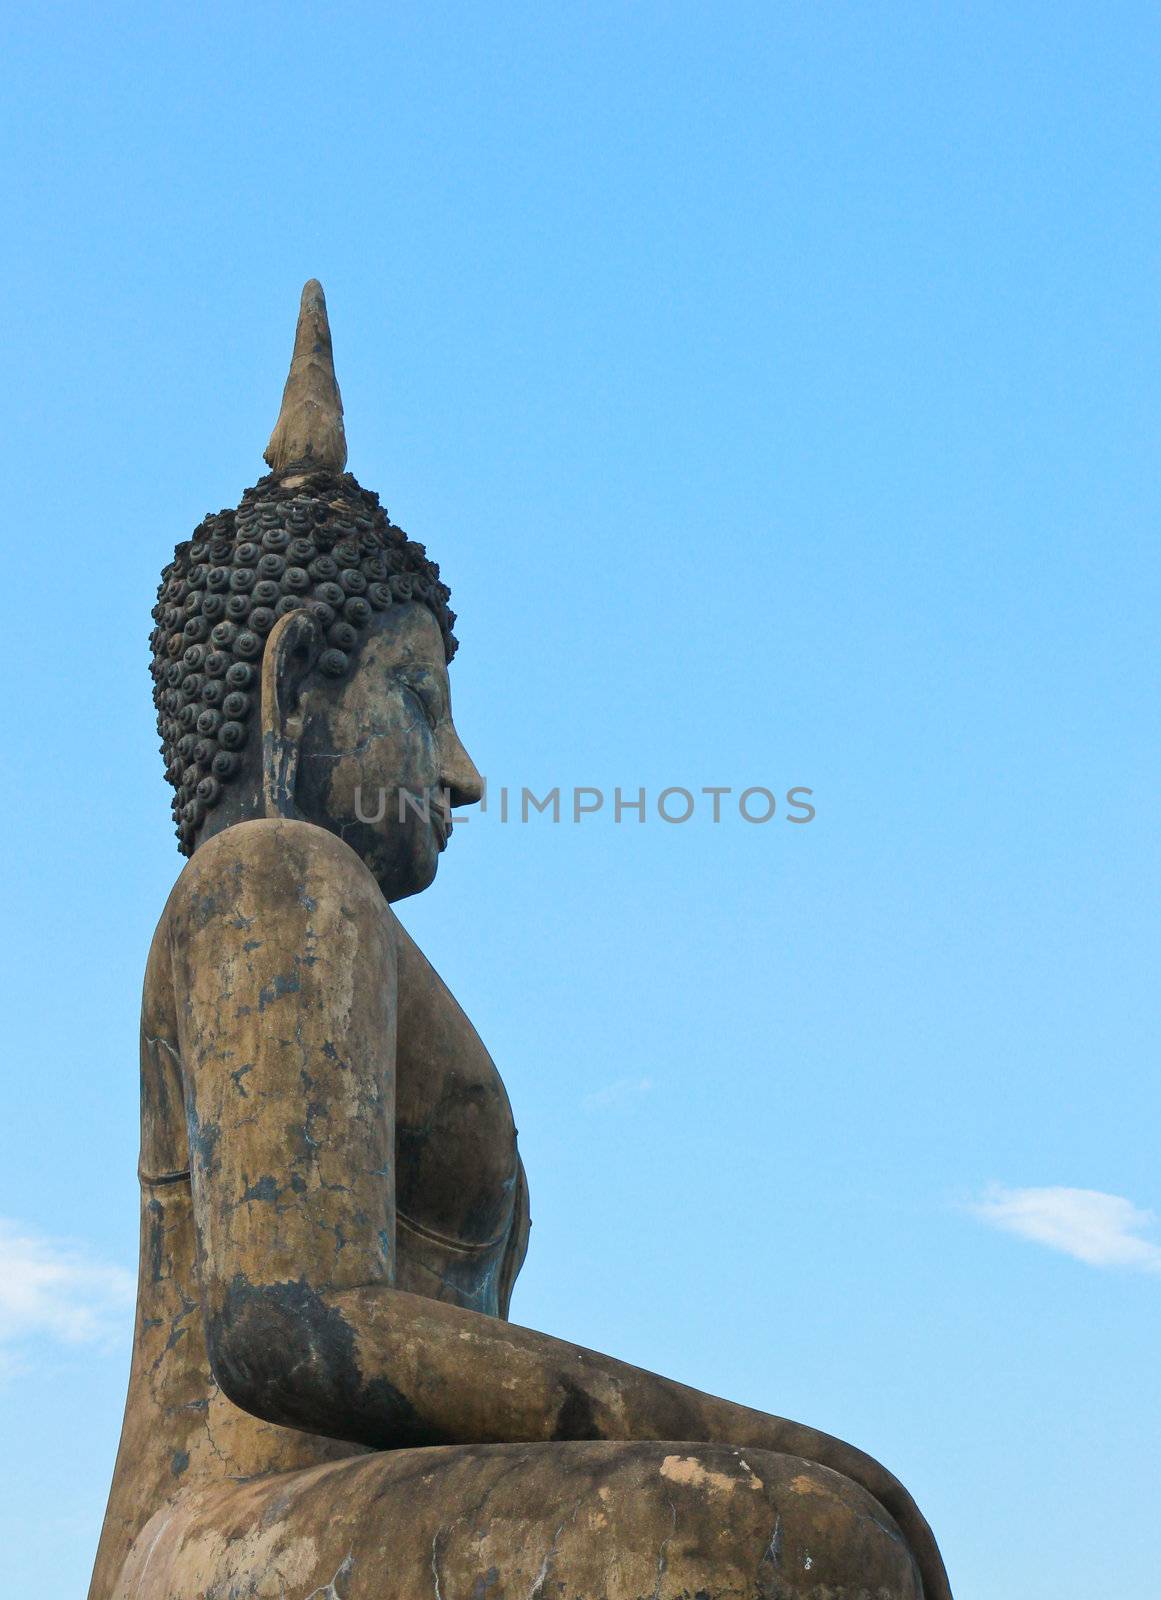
x,y
424,704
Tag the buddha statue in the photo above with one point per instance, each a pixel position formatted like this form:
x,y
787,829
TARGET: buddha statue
x,y
327,1401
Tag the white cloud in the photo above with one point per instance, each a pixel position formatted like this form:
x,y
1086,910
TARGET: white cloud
x,y
51,1289
1103,1230
617,1094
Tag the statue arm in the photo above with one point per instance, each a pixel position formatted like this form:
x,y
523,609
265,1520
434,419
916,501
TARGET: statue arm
x,y
284,969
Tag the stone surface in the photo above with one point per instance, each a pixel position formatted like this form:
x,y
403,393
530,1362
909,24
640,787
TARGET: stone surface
x,y
310,423
622,1522
327,1401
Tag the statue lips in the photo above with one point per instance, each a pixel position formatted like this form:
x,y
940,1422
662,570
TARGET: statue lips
x,y
441,822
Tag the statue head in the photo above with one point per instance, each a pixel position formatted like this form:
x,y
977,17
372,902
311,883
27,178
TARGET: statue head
x,y
300,653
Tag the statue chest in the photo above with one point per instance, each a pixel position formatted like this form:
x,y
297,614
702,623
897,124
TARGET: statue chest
x,y
460,1201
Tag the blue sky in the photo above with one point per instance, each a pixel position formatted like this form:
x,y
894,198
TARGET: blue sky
x,y
778,387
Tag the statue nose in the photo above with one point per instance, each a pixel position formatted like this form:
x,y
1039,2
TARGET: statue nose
x,y
459,776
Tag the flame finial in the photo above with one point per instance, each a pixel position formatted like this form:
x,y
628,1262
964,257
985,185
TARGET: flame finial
x,y
310,424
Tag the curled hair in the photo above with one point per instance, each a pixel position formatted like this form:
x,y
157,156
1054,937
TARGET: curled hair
x,y
300,538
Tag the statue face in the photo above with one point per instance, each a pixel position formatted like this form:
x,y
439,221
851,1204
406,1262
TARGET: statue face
x,y
380,761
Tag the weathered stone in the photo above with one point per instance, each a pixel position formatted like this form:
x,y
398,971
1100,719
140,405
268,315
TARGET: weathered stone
x,y
310,423
588,1521
327,1401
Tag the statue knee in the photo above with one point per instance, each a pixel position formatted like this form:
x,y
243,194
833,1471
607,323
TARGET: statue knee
x,y
672,1521
828,1537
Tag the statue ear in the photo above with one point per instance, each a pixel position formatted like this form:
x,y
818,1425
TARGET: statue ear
x,y
292,649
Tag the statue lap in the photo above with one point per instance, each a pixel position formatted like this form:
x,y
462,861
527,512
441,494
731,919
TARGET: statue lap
x,y
578,1521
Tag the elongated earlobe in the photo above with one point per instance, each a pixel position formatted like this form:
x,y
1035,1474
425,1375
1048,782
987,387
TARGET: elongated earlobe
x,y
292,649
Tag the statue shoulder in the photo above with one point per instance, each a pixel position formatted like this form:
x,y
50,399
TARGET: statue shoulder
x,y
258,865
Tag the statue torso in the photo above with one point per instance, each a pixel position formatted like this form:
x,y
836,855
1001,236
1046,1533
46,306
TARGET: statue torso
x,y
462,1226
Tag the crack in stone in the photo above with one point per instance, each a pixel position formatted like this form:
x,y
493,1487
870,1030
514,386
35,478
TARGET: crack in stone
x,y
330,1591
435,1565
211,1441
774,1549
538,1582
663,1552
